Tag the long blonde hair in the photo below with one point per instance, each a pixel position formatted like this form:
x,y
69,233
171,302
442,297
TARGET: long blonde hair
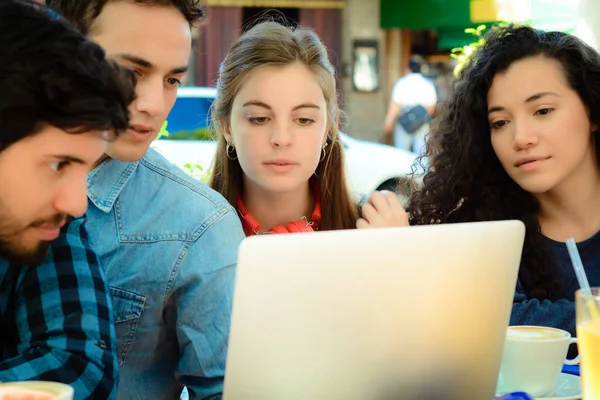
x,y
272,44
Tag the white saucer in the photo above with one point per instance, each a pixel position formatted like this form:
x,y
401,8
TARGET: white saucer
x,y
569,388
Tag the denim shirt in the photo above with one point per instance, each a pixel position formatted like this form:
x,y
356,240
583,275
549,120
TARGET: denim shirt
x,y
168,245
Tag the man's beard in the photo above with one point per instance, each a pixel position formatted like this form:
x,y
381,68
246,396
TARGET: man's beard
x,y
14,250
19,256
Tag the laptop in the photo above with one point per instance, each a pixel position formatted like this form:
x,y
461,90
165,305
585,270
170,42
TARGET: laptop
x,y
395,313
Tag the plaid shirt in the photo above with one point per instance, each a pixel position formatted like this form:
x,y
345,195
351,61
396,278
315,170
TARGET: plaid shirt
x,y
56,320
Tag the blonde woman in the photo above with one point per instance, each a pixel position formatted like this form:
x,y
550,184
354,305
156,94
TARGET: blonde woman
x,y
280,159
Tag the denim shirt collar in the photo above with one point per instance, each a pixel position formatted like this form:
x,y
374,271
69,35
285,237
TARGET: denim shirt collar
x,y
107,180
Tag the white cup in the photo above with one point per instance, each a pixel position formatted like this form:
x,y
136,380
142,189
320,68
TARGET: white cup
x,y
533,359
59,391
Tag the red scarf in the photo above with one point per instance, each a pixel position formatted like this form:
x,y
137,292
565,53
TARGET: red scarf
x,y
252,227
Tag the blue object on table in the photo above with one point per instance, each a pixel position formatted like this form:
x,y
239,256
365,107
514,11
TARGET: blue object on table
x,y
515,396
571,369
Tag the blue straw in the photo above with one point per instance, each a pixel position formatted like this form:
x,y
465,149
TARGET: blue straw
x,y
578,267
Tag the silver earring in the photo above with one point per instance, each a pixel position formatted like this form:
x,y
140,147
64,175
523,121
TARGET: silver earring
x,y
230,151
323,149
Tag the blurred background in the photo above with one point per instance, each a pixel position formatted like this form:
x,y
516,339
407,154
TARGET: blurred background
x,y
370,41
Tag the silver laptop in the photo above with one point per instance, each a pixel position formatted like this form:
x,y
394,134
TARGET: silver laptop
x,y
397,313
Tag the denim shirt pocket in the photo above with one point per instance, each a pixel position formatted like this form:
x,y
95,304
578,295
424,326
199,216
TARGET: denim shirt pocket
x,y
127,310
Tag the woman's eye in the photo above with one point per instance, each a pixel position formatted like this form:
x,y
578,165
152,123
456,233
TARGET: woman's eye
x,y
305,121
257,120
499,124
544,111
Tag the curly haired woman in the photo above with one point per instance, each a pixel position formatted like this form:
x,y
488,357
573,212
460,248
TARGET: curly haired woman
x,y
519,140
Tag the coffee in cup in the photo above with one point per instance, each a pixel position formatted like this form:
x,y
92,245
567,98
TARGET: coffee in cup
x,y
57,391
533,358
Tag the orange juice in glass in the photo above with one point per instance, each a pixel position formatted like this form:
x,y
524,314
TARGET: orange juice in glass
x,y
588,333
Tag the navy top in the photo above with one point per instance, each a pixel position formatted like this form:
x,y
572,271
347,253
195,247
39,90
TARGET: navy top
x,y
559,314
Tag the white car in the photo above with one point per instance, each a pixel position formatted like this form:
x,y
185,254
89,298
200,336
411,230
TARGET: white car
x,y
370,166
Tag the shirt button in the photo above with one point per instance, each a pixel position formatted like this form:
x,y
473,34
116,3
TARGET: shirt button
x,y
102,344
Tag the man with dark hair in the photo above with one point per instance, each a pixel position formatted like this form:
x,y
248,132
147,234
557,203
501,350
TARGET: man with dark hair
x,y
167,242
61,103
84,14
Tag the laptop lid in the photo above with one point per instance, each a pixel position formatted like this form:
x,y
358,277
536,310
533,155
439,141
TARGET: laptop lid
x,y
395,313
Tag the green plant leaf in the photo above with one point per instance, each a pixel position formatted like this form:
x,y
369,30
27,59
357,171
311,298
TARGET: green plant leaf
x,y
163,131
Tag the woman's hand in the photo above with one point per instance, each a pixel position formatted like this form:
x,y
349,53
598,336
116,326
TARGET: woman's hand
x,y
383,209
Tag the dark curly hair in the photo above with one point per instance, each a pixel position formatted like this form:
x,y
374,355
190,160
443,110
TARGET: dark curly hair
x,y
83,13
51,74
465,181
